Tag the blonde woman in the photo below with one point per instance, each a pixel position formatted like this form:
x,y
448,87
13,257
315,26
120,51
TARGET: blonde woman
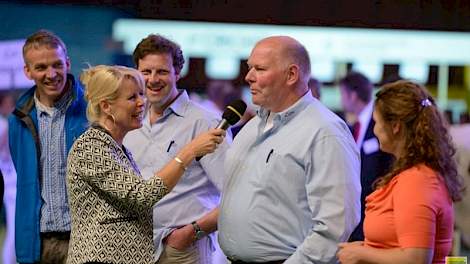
x,y
110,203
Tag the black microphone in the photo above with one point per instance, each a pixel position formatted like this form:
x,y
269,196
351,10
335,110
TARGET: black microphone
x,y
232,114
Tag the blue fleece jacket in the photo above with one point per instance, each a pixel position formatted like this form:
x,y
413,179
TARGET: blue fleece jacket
x,y
24,147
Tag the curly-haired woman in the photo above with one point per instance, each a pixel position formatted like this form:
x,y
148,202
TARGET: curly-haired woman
x,y
409,217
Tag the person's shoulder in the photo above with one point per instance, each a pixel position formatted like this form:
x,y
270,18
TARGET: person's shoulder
x,y
25,97
323,120
422,185
418,176
77,89
200,109
419,170
200,113
12,119
94,142
91,146
321,113
93,136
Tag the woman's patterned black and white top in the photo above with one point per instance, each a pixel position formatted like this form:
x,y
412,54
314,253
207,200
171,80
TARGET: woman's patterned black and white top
x,y
110,203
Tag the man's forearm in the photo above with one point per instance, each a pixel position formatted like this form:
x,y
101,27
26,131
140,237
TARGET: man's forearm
x,y
208,223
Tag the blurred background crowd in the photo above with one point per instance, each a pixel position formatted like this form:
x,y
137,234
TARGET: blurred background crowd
x,y
427,41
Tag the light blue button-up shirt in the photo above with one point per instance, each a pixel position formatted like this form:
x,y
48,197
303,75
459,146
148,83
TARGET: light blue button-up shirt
x,y
55,212
292,192
198,190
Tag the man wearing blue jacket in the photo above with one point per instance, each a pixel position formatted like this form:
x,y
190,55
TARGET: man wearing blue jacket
x,y
45,123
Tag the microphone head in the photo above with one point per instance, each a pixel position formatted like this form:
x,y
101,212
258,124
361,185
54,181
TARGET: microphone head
x,y
234,111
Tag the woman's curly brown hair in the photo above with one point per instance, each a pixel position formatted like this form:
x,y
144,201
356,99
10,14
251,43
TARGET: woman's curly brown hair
x,y
424,129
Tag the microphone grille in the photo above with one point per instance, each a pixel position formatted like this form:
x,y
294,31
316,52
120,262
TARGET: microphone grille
x,y
234,111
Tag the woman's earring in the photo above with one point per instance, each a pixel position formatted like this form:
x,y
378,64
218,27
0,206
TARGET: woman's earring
x,y
114,119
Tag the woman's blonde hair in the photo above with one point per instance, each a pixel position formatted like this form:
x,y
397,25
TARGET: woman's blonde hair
x,y
102,83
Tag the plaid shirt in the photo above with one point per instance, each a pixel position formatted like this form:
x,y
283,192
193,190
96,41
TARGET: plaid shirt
x,y
55,214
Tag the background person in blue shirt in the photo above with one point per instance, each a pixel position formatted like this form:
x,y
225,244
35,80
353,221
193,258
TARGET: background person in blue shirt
x,y
45,123
185,220
292,189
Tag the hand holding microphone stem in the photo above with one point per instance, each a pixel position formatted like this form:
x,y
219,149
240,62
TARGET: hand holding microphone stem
x,y
207,142
232,114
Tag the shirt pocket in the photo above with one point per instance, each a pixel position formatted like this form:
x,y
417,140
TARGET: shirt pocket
x,y
281,172
153,160
171,152
270,168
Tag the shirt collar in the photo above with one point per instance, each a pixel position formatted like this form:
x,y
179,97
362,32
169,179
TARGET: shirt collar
x,y
286,115
366,113
60,105
42,107
178,107
364,118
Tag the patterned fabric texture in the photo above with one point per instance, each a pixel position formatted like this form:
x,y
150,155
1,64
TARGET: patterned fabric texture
x,y
110,203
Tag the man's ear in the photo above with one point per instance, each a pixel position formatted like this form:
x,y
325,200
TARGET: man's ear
x,y
353,96
27,71
293,73
68,64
